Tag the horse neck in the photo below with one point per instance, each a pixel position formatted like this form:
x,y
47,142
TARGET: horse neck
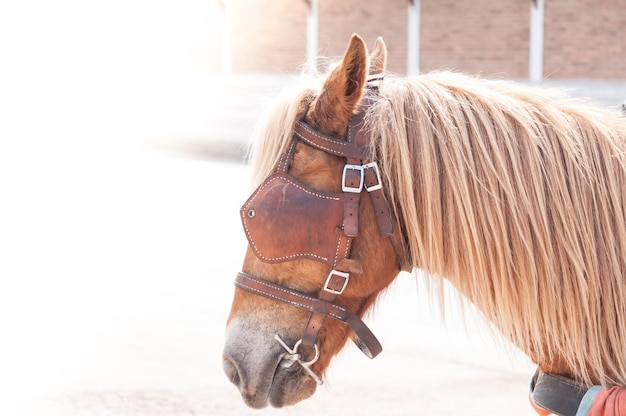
x,y
472,200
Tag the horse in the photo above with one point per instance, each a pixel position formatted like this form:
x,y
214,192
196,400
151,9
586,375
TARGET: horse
x,y
514,194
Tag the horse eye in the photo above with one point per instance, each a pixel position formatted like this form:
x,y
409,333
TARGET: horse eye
x,y
251,214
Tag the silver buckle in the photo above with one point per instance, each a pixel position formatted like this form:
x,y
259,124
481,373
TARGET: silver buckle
x,y
379,184
352,189
346,277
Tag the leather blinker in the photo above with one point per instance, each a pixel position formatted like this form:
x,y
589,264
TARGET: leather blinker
x,y
286,220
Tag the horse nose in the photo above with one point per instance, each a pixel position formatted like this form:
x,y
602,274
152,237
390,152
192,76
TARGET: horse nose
x,y
250,395
232,372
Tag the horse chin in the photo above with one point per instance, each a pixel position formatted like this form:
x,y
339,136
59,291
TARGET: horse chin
x,y
287,385
290,386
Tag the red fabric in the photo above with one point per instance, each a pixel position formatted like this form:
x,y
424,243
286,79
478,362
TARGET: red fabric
x,y
609,402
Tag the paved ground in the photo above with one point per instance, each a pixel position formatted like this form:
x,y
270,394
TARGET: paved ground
x,y
117,263
117,306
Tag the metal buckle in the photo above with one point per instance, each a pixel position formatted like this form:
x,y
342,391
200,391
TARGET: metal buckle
x,y
352,189
332,273
379,184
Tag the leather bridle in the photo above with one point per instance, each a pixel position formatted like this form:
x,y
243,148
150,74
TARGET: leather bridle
x,y
340,224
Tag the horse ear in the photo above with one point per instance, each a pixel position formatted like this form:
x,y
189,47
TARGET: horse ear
x,y
378,57
342,91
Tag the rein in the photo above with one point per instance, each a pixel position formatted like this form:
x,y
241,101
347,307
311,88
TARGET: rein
x,y
332,233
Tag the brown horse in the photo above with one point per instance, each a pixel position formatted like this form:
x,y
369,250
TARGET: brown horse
x,y
516,195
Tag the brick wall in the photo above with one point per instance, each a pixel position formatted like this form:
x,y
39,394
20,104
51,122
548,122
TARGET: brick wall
x,y
585,39
269,35
476,36
339,19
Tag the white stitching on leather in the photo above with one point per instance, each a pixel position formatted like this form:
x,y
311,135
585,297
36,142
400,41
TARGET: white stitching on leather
x,y
249,234
261,292
326,139
327,149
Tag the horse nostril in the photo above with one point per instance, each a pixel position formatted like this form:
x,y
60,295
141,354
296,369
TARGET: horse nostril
x,y
231,371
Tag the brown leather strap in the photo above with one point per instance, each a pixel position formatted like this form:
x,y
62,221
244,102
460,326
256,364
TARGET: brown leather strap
x,y
358,134
356,129
377,196
312,330
344,245
335,284
352,179
365,339
329,144
355,148
353,174
285,160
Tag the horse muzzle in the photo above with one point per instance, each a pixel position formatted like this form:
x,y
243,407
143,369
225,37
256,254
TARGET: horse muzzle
x,y
262,370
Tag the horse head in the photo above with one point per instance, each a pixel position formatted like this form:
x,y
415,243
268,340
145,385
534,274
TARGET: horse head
x,y
264,335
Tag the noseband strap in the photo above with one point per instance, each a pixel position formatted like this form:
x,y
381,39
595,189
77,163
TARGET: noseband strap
x,y
364,338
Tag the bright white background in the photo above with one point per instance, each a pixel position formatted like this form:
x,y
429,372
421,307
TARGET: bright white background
x,y
117,260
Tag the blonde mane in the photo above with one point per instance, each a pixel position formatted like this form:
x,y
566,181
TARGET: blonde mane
x,y
516,195
274,132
